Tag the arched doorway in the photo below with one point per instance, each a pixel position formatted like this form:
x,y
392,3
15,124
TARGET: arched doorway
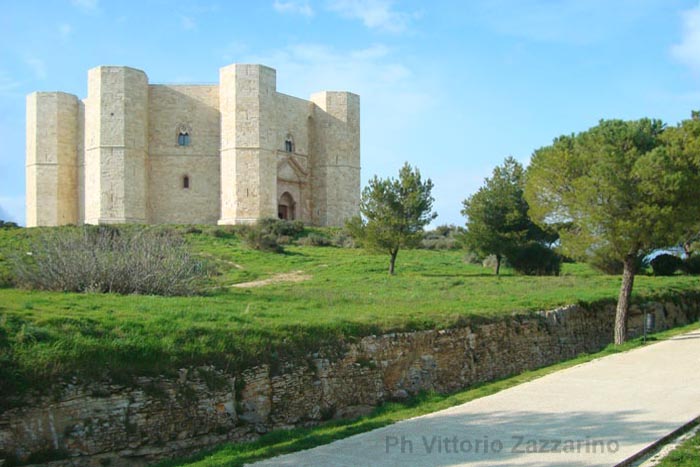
x,y
285,207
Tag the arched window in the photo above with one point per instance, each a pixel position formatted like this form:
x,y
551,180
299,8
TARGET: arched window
x,y
289,143
186,182
183,135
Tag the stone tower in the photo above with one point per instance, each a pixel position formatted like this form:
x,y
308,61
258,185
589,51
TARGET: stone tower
x,y
248,143
52,163
233,152
336,147
116,146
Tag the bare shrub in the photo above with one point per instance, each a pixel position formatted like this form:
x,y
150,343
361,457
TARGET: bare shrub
x,y
314,239
443,237
270,234
110,260
472,258
342,238
441,243
255,236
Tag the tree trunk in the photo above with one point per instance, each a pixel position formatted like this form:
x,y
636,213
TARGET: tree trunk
x,y
498,264
623,301
392,261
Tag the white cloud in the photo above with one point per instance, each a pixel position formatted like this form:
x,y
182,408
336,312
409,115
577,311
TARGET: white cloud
x,y
395,96
313,67
88,5
298,7
687,51
374,14
65,30
188,23
38,67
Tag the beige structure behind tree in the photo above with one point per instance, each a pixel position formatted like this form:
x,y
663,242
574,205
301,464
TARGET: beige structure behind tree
x,y
236,152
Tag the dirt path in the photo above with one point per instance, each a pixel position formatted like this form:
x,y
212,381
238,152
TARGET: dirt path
x,y
294,276
231,263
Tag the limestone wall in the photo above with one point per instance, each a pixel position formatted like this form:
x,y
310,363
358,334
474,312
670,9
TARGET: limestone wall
x,y
98,423
197,108
291,116
81,162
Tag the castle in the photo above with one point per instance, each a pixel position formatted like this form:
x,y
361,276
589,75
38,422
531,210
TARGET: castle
x,y
236,152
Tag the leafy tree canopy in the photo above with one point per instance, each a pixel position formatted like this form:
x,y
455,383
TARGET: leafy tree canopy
x,y
621,187
497,215
394,212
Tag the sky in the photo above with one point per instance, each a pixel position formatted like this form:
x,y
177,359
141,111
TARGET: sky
x,y
452,87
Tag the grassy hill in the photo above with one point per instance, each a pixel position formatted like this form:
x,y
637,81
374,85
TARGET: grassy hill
x,y
312,297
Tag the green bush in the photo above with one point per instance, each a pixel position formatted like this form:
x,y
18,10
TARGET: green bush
x,y
443,237
691,265
607,265
314,239
111,260
270,234
441,243
342,239
666,264
257,238
224,232
284,240
472,258
490,262
8,225
279,227
535,259
6,277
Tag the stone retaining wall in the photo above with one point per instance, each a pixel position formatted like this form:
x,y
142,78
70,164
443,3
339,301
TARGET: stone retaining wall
x,y
98,424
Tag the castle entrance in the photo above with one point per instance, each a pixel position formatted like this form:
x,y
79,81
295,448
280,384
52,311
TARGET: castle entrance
x,y
285,207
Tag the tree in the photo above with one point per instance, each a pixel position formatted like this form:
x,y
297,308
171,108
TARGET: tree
x,y
689,239
394,212
497,214
686,138
620,188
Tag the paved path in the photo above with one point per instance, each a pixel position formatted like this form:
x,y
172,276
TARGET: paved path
x,y
604,411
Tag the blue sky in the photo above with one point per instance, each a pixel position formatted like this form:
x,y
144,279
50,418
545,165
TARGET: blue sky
x,y
452,87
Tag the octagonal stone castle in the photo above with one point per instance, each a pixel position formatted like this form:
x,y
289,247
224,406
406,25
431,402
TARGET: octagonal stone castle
x,y
236,152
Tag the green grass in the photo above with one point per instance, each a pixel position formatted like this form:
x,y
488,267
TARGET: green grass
x,y
685,455
287,441
47,335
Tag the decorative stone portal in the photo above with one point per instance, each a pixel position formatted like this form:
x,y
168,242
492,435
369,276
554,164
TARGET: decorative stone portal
x,y
293,187
285,207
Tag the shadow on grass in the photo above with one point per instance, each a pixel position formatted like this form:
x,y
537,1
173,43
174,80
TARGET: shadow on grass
x,y
282,442
467,274
287,252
